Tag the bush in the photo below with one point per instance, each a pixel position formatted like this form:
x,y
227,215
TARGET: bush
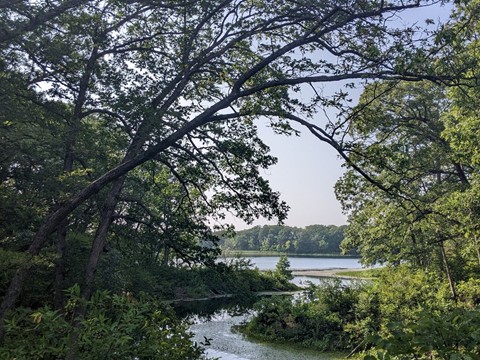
x,y
316,320
402,311
116,327
451,334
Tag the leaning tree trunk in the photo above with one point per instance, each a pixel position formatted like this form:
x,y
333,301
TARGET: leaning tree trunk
x,y
100,239
54,220
451,282
51,224
98,244
61,244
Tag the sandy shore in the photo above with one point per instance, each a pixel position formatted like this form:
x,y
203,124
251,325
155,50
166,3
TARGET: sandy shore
x,y
333,272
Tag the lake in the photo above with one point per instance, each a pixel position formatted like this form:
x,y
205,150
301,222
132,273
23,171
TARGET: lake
x,y
304,263
213,319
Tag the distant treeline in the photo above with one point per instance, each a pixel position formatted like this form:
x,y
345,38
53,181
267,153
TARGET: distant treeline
x,y
313,239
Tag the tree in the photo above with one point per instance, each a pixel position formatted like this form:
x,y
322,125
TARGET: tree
x,y
313,239
412,140
168,78
461,126
402,147
282,269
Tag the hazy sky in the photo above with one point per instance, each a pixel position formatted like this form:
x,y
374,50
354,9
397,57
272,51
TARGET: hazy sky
x,y
305,175
307,169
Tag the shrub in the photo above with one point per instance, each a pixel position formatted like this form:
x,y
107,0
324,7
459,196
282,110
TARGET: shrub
x,y
316,320
453,334
115,327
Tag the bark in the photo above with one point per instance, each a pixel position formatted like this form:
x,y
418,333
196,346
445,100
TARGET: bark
x,y
59,299
98,244
451,282
100,239
477,248
50,225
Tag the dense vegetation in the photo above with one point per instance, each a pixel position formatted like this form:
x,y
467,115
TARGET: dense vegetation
x,y
313,239
128,131
405,314
115,327
411,193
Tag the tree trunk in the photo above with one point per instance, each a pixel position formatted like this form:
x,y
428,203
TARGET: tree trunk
x,y
100,239
49,226
56,218
477,248
98,244
448,272
59,299
61,244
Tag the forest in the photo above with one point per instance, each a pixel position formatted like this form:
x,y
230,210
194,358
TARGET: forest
x,y
313,239
129,135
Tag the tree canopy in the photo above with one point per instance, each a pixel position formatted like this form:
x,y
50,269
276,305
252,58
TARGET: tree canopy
x,y
417,142
135,121
313,239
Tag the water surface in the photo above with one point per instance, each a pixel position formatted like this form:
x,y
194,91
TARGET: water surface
x,y
213,319
228,345
303,263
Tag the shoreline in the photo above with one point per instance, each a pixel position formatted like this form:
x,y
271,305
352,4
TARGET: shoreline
x,y
327,273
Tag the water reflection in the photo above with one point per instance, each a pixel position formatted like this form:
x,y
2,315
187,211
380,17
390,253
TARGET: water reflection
x,y
226,344
206,310
212,322
305,281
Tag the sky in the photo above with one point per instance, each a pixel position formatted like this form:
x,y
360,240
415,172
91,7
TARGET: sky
x,y
308,169
305,175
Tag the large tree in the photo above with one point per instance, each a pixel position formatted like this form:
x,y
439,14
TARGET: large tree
x,y
175,80
418,144
397,140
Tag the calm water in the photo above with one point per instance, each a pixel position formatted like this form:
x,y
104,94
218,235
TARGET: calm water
x,y
228,345
302,263
213,319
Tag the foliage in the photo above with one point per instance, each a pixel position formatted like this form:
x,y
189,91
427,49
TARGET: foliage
x,y
411,191
405,292
282,269
415,197
451,334
136,122
315,320
116,327
399,144
128,127
404,312
180,283
313,239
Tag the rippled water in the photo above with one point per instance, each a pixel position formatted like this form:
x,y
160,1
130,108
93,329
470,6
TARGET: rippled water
x,y
228,345
213,319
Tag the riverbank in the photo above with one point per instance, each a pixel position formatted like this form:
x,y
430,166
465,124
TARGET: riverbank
x,y
341,273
